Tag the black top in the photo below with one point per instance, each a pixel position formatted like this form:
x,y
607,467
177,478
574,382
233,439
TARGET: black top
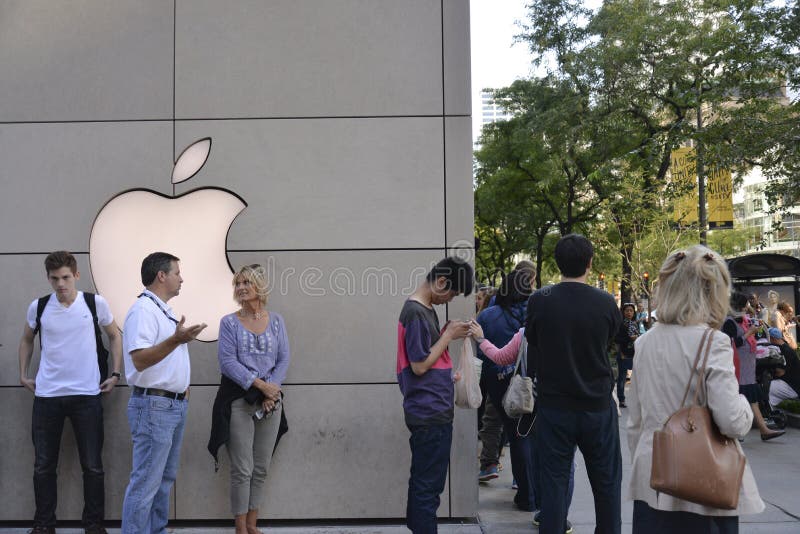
x,y
729,327
569,328
792,376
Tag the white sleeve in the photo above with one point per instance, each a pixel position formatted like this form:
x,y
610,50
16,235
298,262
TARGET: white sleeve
x,y
140,330
104,316
31,315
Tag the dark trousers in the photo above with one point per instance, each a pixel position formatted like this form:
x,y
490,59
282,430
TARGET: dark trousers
x,y
648,520
537,478
520,445
623,366
597,436
521,448
86,414
430,456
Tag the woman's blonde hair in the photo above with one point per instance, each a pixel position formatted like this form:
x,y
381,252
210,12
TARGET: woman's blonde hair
x,y
257,276
694,287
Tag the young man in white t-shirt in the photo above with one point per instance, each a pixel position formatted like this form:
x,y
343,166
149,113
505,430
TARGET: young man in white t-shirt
x,y
68,385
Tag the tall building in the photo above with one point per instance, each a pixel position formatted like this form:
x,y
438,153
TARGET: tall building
x,y
491,111
773,232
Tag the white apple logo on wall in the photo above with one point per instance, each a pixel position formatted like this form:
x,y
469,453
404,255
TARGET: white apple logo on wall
x,y
192,226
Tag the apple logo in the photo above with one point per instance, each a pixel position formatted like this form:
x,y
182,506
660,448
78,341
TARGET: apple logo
x,y
193,226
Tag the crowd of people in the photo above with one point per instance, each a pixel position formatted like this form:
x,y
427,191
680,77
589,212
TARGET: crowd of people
x,y
253,353
567,332
563,333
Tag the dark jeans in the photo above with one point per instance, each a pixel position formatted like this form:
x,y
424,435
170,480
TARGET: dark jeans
x,y
520,446
86,414
597,436
648,520
537,478
623,366
430,455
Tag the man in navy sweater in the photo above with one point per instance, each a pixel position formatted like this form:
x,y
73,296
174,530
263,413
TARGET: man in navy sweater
x,y
569,327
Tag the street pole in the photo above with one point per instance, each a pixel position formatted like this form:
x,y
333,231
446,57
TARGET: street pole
x,y
701,185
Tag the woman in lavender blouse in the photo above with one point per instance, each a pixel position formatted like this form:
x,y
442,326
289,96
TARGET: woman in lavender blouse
x,y
253,354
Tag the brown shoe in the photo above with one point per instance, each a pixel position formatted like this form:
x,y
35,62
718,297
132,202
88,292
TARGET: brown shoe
x,y
772,435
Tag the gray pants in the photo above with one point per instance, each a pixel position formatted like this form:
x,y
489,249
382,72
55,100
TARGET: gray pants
x,y
250,451
490,435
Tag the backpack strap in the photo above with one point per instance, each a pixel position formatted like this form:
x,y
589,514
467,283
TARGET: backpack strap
x,y
40,306
102,353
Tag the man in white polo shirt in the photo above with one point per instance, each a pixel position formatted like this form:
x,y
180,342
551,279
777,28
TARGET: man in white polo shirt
x,y
158,370
68,385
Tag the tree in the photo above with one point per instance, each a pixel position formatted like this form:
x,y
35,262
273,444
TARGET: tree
x,y
662,74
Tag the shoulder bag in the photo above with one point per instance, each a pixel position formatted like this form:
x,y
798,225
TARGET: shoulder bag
x,y
692,460
518,398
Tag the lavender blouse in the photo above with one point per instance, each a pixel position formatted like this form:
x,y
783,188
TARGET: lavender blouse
x,y
245,356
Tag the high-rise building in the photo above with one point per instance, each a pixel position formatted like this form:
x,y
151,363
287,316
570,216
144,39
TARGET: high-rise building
x,y
491,111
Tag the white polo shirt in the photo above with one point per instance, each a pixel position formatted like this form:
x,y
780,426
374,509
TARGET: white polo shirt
x,y
68,363
147,324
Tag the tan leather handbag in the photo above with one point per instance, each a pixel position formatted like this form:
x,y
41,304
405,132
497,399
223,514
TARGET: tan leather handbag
x,y
692,460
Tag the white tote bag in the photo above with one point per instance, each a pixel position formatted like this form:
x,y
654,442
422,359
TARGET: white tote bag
x,y
468,389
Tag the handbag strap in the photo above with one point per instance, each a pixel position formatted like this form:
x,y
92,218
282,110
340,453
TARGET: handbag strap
x,y
701,379
694,366
523,351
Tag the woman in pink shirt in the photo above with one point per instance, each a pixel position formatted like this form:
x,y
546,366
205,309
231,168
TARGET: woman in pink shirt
x,y
504,356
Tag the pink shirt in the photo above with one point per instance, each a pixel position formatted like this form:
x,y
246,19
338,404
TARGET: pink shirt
x,y
505,356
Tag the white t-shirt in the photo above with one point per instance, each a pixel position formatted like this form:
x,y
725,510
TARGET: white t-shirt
x,y
68,364
146,325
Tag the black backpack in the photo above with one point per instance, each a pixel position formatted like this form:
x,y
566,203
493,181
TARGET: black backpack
x,y
102,352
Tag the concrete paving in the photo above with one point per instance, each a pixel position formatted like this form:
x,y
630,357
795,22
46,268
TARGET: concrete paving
x,y
775,464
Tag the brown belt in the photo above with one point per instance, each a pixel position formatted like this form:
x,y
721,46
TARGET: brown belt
x,y
159,393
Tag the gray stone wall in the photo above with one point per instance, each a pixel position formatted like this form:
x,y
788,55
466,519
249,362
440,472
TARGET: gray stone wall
x,y
344,125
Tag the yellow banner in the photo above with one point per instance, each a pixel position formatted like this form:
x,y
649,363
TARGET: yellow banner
x,y
684,178
719,193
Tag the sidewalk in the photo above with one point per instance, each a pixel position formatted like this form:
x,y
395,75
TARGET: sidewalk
x,y
775,464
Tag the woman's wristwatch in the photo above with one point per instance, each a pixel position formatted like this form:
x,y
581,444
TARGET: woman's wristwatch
x,y
119,376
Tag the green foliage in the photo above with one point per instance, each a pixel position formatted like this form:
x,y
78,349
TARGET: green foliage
x,y
790,405
588,149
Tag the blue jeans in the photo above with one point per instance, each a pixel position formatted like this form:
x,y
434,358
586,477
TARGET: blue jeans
x,y
558,431
623,366
157,425
86,414
648,520
430,456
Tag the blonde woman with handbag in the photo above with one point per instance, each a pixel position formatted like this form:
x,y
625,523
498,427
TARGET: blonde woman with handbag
x,y
693,292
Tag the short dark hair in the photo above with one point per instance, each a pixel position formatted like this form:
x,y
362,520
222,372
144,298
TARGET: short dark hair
x,y
630,305
457,272
155,263
58,259
573,254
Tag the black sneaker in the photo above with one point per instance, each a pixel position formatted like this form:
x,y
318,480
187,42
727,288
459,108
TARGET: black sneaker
x,y
536,517
42,530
